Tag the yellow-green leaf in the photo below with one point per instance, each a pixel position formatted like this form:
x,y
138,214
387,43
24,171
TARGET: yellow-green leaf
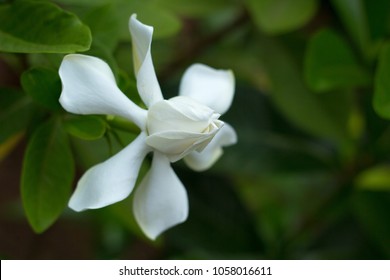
x,y
376,178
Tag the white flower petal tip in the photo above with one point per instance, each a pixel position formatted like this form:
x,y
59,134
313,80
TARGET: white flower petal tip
x,y
110,181
160,201
89,87
147,84
212,87
201,161
228,136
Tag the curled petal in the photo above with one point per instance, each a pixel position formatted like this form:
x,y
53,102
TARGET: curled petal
x,y
177,144
211,87
160,201
179,114
147,83
110,181
89,87
200,161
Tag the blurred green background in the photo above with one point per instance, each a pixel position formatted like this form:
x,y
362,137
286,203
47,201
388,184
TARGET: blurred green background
x,y
308,179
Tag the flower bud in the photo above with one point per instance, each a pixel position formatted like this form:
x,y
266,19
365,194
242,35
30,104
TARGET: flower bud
x,y
180,125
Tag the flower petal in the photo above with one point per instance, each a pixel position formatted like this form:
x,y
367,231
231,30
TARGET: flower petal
x,y
179,114
89,87
200,161
147,83
160,201
110,181
177,144
211,87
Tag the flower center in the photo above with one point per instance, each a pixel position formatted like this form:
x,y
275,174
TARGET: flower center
x,y
181,125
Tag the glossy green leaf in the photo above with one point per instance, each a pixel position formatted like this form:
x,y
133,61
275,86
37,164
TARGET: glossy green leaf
x,y
330,63
382,83
15,112
41,27
323,115
85,127
47,175
44,86
280,16
375,178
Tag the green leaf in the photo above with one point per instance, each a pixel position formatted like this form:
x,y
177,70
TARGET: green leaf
x,y
44,86
85,127
41,27
165,22
47,175
280,16
376,178
353,15
46,60
105,25
15,112
382,84
323,115
366,21
330,63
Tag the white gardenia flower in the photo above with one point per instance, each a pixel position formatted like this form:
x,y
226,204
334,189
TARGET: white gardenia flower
x,y
186,126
